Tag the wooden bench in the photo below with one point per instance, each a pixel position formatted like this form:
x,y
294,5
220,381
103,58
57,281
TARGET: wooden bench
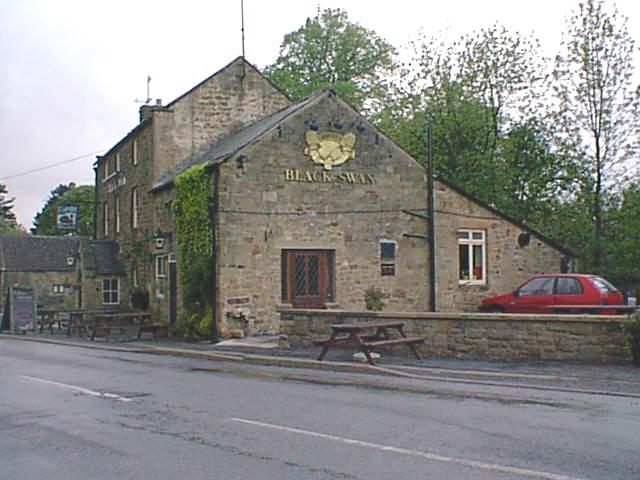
x,y
48,317
104,323
367,337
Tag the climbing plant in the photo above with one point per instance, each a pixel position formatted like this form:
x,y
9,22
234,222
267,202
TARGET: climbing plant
x,y
195,244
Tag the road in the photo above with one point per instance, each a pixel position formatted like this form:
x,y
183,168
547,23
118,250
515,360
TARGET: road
x,y
76,413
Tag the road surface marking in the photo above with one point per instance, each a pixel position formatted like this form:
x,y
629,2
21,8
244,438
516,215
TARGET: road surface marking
x,y
413,453
73,388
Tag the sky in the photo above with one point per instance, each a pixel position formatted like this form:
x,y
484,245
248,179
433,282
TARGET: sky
x,y
73,73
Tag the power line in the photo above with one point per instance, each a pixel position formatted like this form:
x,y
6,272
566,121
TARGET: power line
x,y
51,165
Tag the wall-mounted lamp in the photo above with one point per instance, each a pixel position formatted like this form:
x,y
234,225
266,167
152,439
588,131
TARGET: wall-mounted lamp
x,y
159,238
71,259
361,127
240,162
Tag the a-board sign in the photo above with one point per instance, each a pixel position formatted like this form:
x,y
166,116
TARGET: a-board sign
x,y
22,314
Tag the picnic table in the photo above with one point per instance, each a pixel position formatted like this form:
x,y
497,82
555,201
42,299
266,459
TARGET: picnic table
x,y
367,337
80,318
104,323
48,317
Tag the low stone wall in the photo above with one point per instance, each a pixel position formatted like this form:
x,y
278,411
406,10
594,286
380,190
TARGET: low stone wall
x,y
585,339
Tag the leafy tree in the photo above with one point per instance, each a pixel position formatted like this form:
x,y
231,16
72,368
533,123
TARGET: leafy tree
x,y
7,216
331,51
46,221
597,112
481,96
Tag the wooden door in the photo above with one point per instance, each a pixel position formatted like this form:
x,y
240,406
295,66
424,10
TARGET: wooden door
x,y
307,273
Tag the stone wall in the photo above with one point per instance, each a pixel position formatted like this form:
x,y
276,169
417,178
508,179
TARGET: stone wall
x,y
263,211
42,283
586,339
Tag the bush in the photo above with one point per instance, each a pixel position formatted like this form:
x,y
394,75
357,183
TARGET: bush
x,y
195,326
631,327
139,299
373,299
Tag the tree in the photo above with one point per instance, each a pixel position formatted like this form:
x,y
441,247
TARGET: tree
x,y
45,221
331,51
7,216
481,95
597,111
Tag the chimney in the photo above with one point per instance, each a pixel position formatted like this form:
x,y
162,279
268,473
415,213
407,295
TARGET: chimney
x,y
146,111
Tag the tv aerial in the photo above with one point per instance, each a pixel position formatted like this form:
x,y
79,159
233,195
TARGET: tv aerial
x,y
148,100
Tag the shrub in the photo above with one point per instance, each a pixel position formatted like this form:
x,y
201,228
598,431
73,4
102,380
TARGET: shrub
x,y
631,327
373,299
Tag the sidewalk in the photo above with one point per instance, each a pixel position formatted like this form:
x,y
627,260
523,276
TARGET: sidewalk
x,y
264,351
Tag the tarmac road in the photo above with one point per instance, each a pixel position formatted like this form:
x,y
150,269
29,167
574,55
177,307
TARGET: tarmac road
x,y
76,413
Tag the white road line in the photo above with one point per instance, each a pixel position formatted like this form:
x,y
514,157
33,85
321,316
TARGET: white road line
x,y
413,453
73,388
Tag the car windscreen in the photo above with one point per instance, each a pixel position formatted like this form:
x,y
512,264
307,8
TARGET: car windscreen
x,y
604,286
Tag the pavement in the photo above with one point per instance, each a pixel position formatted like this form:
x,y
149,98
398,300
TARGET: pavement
x,y
263,350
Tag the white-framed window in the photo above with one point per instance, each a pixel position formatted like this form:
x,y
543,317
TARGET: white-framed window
x,y
134,152
472,257
134,207
57,289
117,162
161,266
110,291
388,252
105,218
107,168
117,214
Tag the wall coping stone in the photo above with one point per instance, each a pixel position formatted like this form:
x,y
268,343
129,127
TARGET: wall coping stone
x,y
446,316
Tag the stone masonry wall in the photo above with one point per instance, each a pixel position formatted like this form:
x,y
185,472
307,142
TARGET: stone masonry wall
x,y
508,265
587,339
42,283
263,212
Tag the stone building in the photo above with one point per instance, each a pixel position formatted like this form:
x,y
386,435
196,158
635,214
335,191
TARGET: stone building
x,y
65,272
311,206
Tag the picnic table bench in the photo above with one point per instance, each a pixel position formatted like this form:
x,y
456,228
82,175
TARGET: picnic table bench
x,y
104,323
48,317
80,319
367,337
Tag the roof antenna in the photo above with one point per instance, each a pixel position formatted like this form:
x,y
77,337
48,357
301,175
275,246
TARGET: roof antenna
x,y
244,72
148,100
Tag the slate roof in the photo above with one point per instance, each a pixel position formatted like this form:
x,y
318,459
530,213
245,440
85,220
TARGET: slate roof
x,y
229,145
28,253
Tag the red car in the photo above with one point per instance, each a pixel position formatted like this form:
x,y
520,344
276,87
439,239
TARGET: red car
x,y
566,293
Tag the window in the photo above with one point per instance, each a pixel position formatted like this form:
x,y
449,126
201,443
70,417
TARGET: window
x,y
105,218
537,286
117,162
117,214
568,286
161,266
110,291
57,289
134,152
134,208
107,168
134,277
472,257
388,258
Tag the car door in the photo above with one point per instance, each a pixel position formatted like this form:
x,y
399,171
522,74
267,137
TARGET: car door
x,y
568,292
535,296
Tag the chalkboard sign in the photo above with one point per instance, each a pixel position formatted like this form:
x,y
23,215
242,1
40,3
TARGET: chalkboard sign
x,y
23,309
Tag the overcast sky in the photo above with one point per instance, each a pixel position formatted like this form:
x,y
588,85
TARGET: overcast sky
x,y
72,71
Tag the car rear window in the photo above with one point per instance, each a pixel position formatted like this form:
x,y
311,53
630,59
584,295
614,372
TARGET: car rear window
x,y
604,286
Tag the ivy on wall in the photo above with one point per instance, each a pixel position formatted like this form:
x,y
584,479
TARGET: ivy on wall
x,y
195,244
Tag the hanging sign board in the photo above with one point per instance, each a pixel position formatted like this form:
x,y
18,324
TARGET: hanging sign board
x,y
67,217
22,309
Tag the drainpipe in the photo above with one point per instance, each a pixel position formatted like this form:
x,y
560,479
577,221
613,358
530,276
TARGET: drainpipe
x,y
214,208
431,215
95,198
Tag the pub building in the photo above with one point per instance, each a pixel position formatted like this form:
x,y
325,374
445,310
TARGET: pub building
x,y
311,205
